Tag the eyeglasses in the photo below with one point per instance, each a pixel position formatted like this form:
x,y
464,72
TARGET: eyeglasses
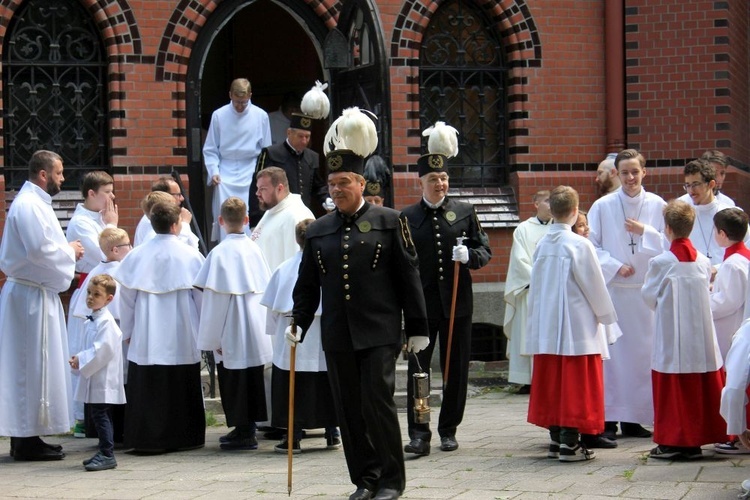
x,y
176,195
124,245
694,185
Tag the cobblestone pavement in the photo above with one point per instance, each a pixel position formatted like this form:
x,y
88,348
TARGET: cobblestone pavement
x,y
500,456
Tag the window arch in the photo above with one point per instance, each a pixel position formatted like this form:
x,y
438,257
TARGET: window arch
x,y
55,89
463,83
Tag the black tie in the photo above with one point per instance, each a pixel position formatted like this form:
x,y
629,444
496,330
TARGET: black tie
x,y
90,317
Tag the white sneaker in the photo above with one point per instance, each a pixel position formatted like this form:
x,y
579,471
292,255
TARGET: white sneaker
x,y
745,489
731,448
577,453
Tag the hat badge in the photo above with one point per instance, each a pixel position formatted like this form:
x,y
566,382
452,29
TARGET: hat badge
x,y
305,122
436,162
373,188
334,161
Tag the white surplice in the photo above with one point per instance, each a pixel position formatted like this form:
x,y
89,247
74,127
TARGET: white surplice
x,y
525,238
627,375
568,297
734,395
100,361
685,340
233,144
39,264
159,307
233,279
275,232
278,300
728,299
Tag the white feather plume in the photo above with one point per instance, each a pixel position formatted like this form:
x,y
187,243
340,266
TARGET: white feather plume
x,y
315,102
443,139
354,130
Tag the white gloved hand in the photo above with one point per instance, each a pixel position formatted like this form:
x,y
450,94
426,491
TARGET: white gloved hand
x,y
290,338
416,344
461,254
328,204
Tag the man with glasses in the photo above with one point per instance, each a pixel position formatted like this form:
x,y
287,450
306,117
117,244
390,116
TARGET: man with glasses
x,y
144,231
700,182
627,230
237,134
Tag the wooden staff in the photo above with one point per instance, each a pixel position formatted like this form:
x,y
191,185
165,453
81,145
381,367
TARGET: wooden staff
x,y
290,426
456,267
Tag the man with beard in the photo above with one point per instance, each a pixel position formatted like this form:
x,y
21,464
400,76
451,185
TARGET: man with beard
x,y
39,263
275,233
606,175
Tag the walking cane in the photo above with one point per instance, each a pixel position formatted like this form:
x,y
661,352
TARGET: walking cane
x,y
290,426
456,267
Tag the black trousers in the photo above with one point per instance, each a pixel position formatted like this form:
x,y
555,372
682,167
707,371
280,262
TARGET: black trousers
x,y
363,383
454,392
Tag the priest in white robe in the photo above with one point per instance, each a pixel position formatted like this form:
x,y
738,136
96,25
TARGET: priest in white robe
x,y
687,378
283,211
237,134
627,230
233,325
160,313
525,238
39,264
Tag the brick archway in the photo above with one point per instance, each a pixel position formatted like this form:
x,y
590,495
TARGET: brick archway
x,y
190,16
516,28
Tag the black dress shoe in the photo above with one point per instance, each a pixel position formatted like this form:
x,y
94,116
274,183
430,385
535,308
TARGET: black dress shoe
x,y
387,494
361,494
418,446
37,454
525,389
634,430
597,441
448,443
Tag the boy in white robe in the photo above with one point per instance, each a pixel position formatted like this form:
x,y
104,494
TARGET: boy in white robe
x,y
97,211
730,285
115,245
233,323
568,300
734,397
686,362
313,400
525,238
729,292
160,311
99,364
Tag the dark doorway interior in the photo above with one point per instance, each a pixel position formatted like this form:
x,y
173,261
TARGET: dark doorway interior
x,y
275,49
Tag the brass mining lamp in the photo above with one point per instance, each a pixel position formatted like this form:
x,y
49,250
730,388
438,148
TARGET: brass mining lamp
x,y
421,395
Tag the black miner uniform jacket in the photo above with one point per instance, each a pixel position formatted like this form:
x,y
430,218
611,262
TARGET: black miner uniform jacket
x,y
435,232
368,271
302,171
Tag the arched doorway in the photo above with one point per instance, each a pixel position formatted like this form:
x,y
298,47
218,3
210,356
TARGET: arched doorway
x,y
276,45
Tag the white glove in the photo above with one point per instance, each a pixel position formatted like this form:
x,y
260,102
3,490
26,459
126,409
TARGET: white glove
x,y
290,338
461,254
416,344
328,204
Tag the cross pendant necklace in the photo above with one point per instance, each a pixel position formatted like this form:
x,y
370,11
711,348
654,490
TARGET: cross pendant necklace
x,y
632,243
703,236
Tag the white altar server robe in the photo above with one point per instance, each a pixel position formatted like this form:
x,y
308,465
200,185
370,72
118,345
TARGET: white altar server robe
x,y
278,299
159,307
100,362
233,280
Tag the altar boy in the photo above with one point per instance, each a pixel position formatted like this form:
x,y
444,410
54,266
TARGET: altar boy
x,y
568,299
233,324
100,366
686,373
